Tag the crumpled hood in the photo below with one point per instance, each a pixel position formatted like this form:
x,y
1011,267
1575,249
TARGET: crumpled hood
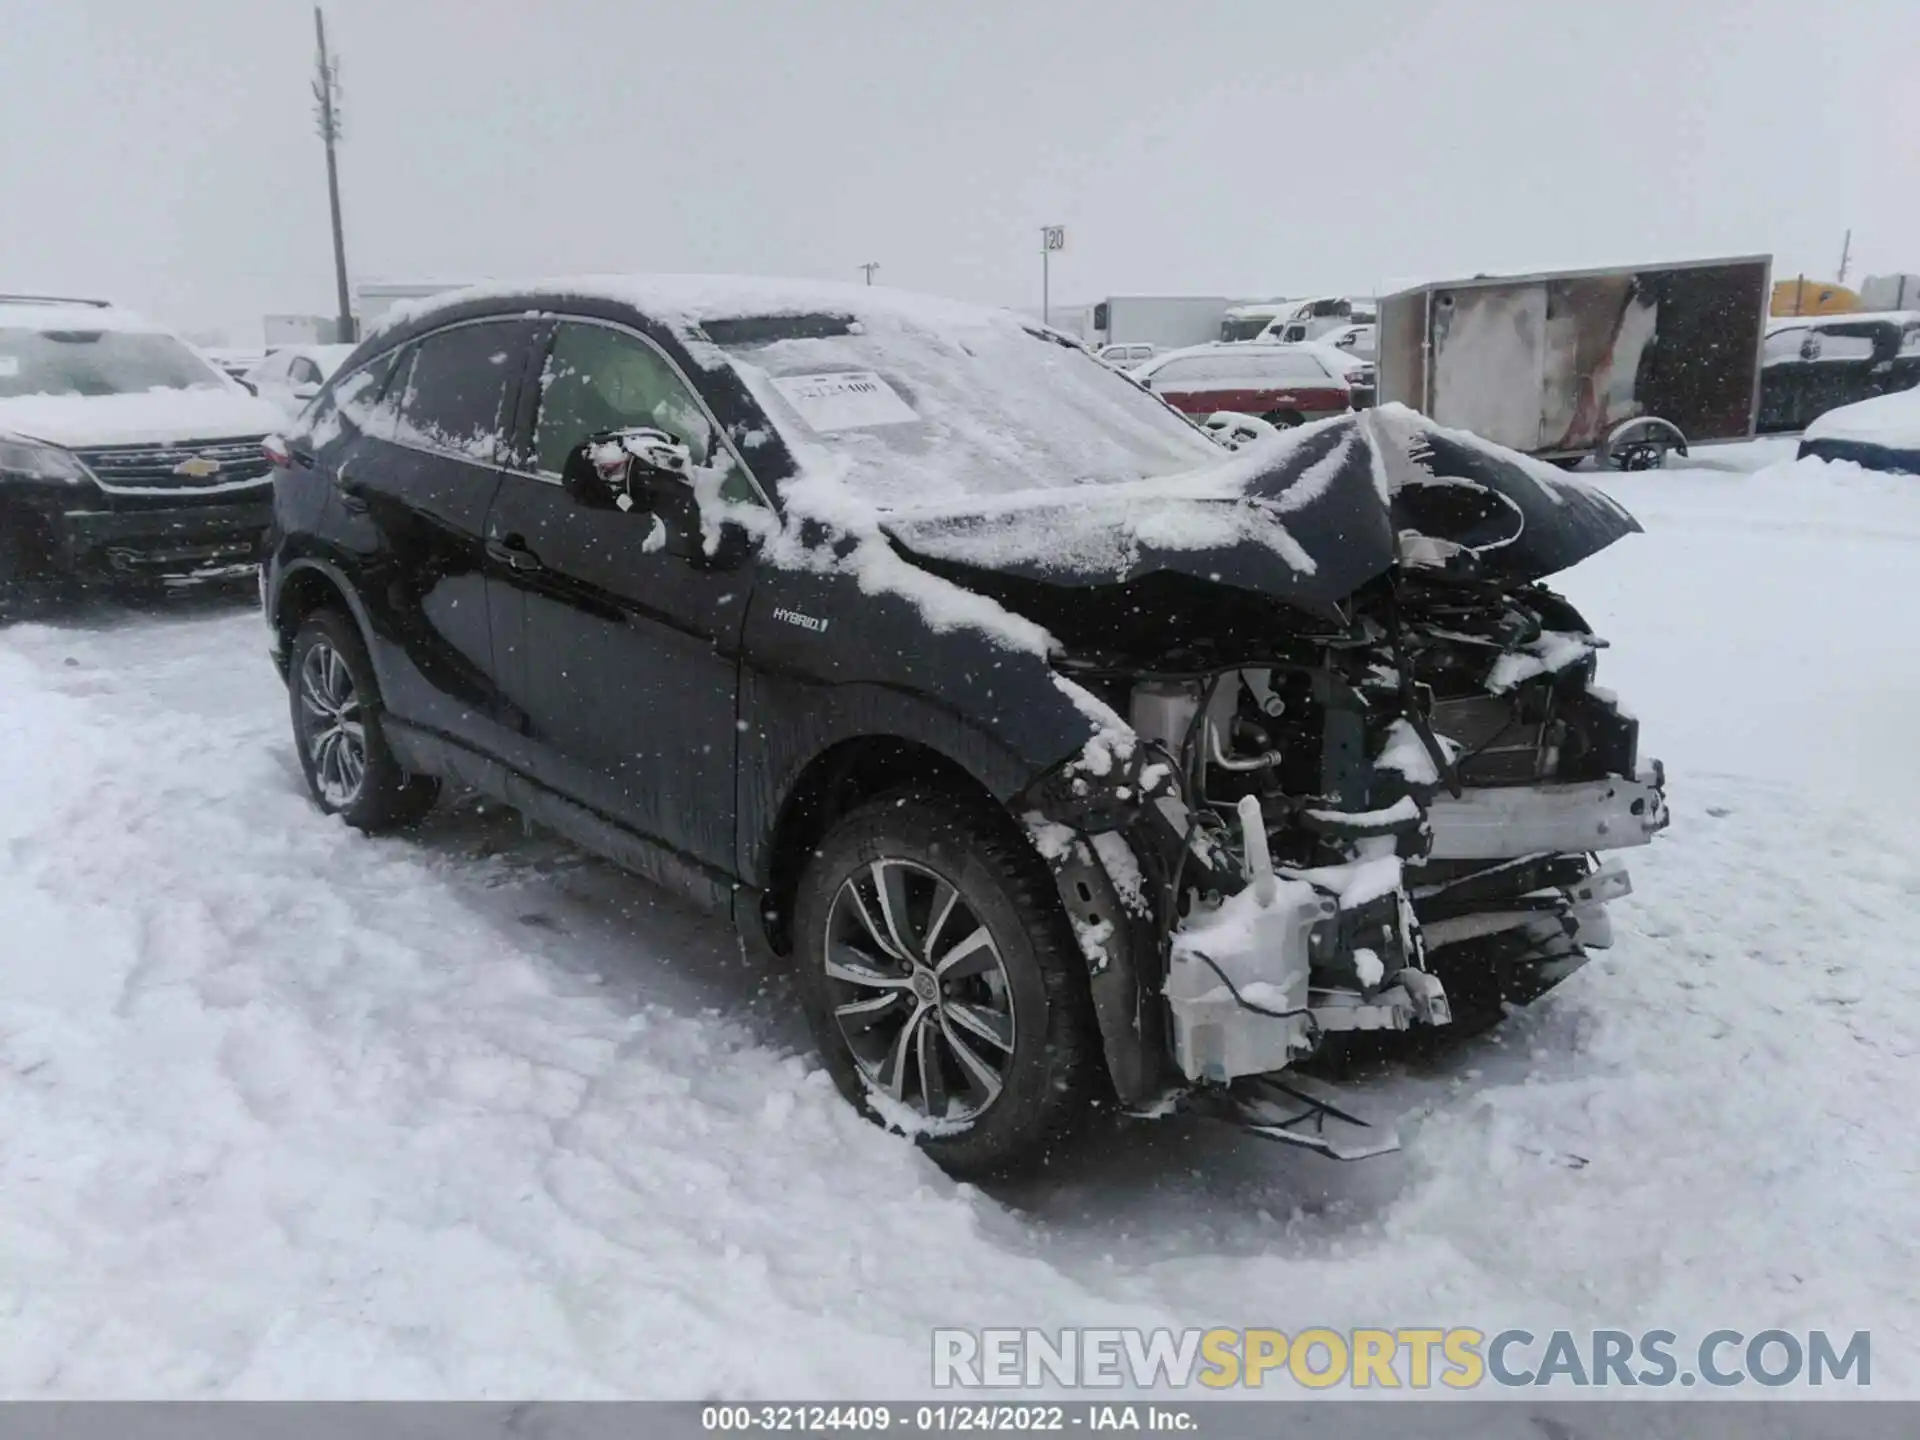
x,y
148,417
1307,519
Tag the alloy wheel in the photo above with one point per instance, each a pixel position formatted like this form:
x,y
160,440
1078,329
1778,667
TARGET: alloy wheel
x,y
332,725
919,990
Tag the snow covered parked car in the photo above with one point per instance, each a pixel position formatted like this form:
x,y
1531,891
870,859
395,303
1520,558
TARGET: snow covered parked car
x,y
1882,433
122,450
233,363
1282,384
292,375
1061,749
1128,355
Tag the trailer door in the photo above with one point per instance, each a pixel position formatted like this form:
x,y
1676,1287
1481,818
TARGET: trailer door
x,y
1488,365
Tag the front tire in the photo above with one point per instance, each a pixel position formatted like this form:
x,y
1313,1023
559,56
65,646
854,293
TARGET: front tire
x,y
24,562
351,771
942,983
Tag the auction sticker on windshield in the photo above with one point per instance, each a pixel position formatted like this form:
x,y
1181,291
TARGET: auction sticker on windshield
x,y
844,400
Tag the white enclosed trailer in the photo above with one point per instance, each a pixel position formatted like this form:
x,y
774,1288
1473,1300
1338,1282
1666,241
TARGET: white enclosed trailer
x,y
1624,364
1169,321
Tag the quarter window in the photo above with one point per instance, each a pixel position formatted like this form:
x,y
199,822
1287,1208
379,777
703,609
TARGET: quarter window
x,y
355,397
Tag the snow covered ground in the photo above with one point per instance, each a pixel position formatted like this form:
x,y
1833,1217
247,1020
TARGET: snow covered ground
x,y
288,1112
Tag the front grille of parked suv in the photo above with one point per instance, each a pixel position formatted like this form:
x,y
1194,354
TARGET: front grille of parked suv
x,y
145,469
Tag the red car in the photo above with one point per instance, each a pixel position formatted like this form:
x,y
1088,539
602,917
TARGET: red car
x,y
1284,384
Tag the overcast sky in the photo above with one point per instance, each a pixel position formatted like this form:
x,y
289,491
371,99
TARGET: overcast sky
x,y
164,153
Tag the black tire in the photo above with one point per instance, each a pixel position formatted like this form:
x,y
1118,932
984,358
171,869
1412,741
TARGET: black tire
x,y
1284,419
335,705
23,557
1039,999
13,561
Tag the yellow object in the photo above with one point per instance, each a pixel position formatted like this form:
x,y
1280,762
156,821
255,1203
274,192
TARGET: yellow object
x,y
1801,296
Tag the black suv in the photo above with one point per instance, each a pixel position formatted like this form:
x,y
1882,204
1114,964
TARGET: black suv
x,y
1066,753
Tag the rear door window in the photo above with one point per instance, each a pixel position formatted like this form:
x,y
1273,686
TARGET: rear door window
x,y
452,397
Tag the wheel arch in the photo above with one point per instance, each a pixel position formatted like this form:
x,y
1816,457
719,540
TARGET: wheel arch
x,y
845,775
1640,428
838,779
309,584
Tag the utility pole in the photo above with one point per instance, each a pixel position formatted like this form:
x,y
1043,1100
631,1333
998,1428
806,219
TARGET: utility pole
x,y
1846,252
326,96
869,267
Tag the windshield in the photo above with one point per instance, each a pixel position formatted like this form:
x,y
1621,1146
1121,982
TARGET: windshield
x,y
922,417
98,362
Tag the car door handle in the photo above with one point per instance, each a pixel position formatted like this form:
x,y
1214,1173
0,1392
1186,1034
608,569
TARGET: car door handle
x,y
353,495
512,552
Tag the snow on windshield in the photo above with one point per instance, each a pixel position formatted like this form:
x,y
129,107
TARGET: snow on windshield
x,y
919,416
92,361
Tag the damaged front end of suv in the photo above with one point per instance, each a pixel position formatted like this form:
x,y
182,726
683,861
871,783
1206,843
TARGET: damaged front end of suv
x,y
1365,781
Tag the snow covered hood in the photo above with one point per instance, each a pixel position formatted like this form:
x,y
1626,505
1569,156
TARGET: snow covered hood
x,y
1892,421
151,417
1307,518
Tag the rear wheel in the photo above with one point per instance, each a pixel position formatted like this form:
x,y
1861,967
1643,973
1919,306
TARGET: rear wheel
x,y
1642,444
351,771
942,984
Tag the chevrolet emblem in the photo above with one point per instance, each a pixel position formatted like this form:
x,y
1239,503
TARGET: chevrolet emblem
x,y
198,467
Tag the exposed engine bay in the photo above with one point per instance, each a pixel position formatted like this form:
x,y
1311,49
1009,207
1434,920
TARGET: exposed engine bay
x,y
1371,831
1360,777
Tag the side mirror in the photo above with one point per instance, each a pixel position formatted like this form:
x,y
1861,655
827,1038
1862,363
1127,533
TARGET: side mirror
x,y
1234,430
304,391
615,466
622,469
650,471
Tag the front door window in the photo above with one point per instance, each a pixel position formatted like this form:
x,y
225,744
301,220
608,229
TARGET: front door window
x,y
598,379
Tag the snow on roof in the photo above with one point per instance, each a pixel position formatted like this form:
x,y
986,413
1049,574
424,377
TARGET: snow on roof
x,y
43,315
1268,310
1889,420
1275,309
688,300
1343,361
